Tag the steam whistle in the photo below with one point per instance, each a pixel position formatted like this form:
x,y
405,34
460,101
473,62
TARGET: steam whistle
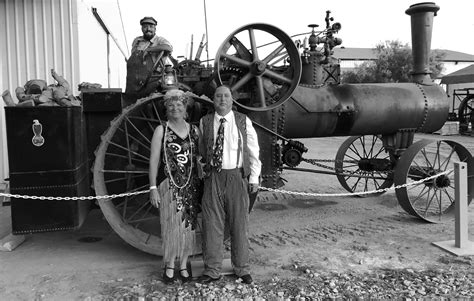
x,y
37,139
328,19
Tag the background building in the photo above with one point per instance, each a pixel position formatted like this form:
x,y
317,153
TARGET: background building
x,y
39,35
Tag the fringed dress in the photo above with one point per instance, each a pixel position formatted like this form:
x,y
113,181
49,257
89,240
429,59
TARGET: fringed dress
x,y
180,194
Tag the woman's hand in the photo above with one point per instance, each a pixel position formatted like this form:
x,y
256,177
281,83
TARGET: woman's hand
x,y
155,198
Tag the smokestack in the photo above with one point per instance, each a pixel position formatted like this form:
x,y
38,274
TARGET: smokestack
x,y
421,29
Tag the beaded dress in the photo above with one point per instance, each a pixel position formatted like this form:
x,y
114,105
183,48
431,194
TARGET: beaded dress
x,y
180,193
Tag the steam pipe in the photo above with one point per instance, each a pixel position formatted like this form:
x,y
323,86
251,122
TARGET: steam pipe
x,y
421,29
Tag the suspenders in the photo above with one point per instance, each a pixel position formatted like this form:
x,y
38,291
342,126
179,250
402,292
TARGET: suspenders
x,y
239,148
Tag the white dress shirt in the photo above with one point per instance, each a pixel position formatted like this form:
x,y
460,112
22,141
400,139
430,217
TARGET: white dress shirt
x,y
231,142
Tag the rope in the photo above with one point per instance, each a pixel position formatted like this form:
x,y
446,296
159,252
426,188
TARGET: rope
x,y
110,197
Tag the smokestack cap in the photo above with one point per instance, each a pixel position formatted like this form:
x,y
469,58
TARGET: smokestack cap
x,y
422,7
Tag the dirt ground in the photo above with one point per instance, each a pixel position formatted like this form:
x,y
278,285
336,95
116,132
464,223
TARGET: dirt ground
x,y
301,248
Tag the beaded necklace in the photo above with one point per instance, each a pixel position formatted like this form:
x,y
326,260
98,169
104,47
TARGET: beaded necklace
x,y
191,159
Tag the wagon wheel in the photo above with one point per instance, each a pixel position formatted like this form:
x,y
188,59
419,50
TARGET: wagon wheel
x,y
363,164
121,166
271,72
466,114
433,200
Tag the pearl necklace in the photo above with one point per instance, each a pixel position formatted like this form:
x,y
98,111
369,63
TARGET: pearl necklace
x,y
191,159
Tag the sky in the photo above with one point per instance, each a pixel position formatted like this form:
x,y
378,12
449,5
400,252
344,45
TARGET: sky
x,y
365,23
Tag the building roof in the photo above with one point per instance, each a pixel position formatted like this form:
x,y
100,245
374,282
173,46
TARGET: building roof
x,y
464,75
368,54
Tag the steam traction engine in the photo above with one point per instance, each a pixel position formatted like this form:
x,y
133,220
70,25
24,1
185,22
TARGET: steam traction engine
x,y
292,90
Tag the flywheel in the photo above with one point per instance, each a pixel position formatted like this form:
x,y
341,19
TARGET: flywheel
x,y
270,70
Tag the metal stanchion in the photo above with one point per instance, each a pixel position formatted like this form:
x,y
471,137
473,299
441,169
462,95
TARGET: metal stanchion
x,y
460,246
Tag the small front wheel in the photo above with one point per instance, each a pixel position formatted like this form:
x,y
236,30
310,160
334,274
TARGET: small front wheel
x,y
432,200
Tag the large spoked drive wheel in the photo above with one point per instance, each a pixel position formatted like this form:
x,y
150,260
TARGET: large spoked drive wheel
x,y
121,166
269,73
363,164
432,200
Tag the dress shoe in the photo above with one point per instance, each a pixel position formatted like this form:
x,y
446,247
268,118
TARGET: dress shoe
x,y
207,279
166,278
183,278
247,279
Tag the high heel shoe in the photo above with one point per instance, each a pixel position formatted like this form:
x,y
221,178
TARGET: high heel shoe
x,y
166,278
183,278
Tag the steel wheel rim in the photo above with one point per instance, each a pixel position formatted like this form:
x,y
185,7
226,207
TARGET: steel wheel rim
x,y
347,161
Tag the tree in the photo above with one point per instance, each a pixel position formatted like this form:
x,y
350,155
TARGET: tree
x,y
393,64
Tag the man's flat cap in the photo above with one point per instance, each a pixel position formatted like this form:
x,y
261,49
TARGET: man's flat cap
x,y
148,20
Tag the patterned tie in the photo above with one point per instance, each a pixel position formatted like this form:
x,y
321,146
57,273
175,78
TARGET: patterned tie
x,y
219,147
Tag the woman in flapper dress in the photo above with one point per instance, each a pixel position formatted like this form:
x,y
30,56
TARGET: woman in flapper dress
x,y
173,150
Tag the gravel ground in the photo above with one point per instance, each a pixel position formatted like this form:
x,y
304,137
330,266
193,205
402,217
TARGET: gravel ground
x,y
306,284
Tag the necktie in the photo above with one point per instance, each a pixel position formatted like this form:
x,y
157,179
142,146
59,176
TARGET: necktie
x,y
219,147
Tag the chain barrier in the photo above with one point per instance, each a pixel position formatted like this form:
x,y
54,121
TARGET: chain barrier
x,y
356,193
72,198
84,198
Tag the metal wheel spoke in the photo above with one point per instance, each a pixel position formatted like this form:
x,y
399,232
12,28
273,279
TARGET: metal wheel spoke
x,y
379,152
155,109
126,157
130,218
423,152
376,184
355,159
356,183
272,74
355,151
138,131
451,200
421,168
260,92
115,180
253,44
428,205
148,120
353,173
129,151
437,155
447,160
146,213
363,147
143,220
238,61
372,147
349,166
439,203
247,77
420,195
147,146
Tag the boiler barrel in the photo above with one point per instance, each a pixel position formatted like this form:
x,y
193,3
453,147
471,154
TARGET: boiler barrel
x,y
364,109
